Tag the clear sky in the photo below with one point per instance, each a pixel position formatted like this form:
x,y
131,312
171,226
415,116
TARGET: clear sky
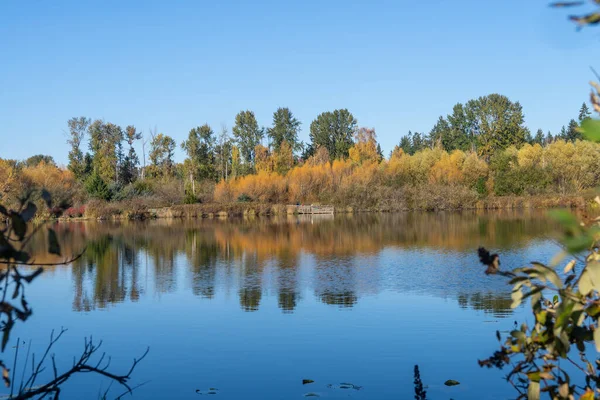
x,y
396,65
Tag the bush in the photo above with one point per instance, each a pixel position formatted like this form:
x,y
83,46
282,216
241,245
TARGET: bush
x,y
244,198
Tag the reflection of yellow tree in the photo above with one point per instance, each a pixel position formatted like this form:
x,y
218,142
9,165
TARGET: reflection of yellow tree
x,y
251,282
110,270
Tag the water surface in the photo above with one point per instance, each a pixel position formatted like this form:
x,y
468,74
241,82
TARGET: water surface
x,y
253,307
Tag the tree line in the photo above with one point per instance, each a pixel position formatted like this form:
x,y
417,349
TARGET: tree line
x,y
481,146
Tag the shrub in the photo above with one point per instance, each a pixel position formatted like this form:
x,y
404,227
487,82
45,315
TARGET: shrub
x,y
244,198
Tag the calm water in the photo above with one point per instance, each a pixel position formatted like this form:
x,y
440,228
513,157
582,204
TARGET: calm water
x,y
252,307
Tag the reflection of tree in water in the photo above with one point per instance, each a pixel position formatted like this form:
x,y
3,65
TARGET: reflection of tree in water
x,y
497,304
287,279
202,256
111,266
335,282
163,259
250,282
115,265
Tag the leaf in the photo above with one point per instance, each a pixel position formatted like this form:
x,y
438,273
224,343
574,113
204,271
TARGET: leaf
x,y
3,210
588,395
498,335
516,296
47,198
533,391
307,381
53,246
590,278
548,273
569,266
19,225
6,334
563,390
29,278
563,217
29,212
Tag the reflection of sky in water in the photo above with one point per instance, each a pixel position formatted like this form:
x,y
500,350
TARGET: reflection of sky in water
x,y
253,311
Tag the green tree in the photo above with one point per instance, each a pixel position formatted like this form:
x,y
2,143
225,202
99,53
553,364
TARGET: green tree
x,y
34,161
247,135
200,161
563,133
549,138
285,128
96,187
162,148
497,122
333,131
77,129
539,137
107,149
406,143
572,133
440,134
419,142
584,113
223,154
129,167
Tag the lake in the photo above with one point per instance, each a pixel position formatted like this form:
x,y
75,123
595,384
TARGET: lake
x,y
251,307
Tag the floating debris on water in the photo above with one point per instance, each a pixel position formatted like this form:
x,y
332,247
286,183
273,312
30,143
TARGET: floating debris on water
x,y
451,382
207,392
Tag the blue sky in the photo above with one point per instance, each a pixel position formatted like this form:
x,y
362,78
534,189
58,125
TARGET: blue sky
x,y
396,65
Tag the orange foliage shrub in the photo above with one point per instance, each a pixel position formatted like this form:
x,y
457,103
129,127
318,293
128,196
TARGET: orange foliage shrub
x,y
59,182
263,187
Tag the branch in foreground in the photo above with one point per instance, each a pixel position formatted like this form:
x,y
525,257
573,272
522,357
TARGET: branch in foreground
x,y
28,389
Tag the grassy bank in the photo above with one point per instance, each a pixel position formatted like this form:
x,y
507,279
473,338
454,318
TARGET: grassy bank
x,y
141,210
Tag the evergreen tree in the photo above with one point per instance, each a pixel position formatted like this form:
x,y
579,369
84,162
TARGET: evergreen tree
x,y
528,137
96,187
563,133
549,138
333,131
572,133
129,167
406,143
539,137
584,113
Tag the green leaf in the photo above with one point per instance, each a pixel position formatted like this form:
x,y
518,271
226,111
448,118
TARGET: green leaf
x,y
533,391
591,129
53,246
578,243
563,217
19,225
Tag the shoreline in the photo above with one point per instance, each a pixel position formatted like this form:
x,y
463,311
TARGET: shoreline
x,y
122,211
